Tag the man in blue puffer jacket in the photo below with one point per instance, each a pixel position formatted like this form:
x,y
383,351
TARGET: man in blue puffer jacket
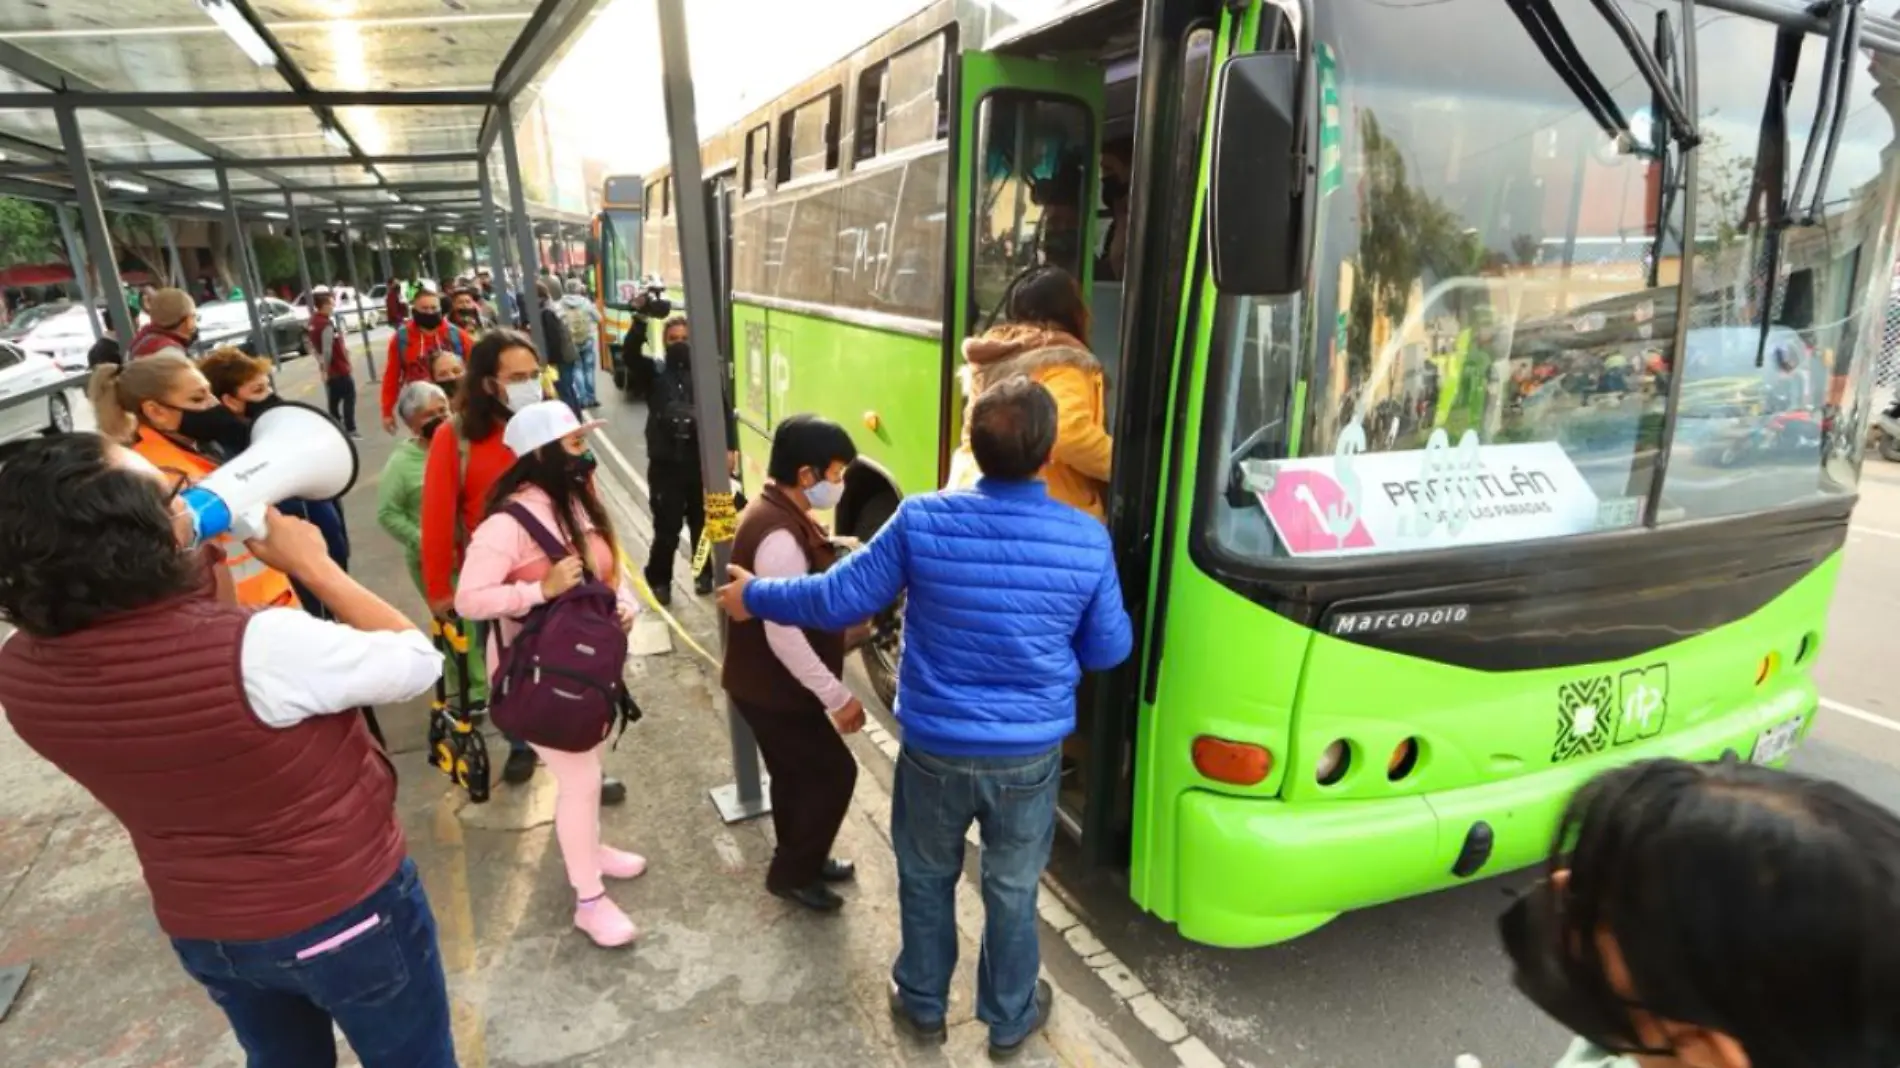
x,y
1012,596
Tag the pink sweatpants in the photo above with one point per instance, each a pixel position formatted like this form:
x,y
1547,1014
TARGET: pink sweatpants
x,y
577,815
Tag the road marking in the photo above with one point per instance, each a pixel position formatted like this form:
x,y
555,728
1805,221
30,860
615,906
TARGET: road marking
x,y
1861,714
1875,531
626,466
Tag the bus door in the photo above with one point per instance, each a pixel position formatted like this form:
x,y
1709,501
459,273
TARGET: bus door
x,y
719,216
1028,153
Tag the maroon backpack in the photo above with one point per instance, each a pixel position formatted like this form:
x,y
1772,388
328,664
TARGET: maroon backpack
x,y
559,684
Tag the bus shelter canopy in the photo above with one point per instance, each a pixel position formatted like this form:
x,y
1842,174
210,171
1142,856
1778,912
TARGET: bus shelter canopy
x,y
384,107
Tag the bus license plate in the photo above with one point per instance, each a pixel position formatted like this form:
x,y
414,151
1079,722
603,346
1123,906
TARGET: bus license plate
x,y
1775,743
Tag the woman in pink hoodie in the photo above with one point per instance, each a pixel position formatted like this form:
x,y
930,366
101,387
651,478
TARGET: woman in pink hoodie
x,y
505,575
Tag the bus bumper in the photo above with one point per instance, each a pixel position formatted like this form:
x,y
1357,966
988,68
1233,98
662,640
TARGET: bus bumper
x,y
1255,872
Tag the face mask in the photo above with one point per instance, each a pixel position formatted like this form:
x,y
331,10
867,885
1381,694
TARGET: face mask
x,y
824,495
216,425
467,315
581,468
1114,189
678,353
428,320
253,409
519,395
429,428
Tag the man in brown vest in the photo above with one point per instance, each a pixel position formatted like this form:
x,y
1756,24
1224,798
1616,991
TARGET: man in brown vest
x,y
787,682
263,819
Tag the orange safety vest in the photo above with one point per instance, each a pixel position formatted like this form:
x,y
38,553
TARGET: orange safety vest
x,y
258,585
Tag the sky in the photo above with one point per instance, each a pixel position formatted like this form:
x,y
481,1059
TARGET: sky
x,y
613,71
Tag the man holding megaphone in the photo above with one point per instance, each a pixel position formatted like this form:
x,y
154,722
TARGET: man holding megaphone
x,y
264,820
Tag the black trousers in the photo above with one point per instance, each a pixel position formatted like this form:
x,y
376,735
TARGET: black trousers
x,y
340,390
679,498
813,775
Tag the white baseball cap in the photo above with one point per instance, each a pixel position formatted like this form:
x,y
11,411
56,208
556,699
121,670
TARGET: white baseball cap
x,y
542,424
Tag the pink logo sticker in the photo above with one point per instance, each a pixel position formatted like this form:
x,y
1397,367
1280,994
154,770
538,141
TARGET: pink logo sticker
x,y
1313,514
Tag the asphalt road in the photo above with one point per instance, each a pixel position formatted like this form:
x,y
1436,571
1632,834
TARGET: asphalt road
x,y
1419,983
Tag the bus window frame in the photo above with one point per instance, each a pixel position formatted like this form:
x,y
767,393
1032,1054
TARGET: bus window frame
x,y
1090,180
833,135
751,184
946,113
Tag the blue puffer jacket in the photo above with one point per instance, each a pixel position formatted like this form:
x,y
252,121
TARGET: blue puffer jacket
x,y
1012,596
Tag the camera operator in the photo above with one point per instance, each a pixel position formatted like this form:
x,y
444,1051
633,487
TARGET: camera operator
x,y
678,492
633,371
264,821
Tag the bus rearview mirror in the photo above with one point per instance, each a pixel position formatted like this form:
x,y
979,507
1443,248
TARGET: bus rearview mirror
x,y
1257,210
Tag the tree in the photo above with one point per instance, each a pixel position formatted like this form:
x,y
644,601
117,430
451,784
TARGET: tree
x,y
143,238
28,233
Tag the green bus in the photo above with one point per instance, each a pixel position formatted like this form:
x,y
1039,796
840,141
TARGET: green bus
x,y
613,256
1449,471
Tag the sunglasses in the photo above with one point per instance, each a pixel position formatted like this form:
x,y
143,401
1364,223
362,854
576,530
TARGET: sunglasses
x,y
1563,984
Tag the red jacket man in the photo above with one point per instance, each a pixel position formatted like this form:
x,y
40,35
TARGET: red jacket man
x,y
173,326
332,351
424,333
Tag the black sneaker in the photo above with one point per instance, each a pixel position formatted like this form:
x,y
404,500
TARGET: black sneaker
x,y
918,1030
703,584
663,595
519,768
838,871
1045,1002
612,790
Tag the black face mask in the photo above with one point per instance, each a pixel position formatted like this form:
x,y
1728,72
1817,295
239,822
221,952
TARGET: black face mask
x,y
678,353
1114,189
449,386
427,433
253,409
467,316
215,426
428,320
581,468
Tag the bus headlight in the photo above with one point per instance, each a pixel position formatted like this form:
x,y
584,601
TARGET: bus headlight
x,y
1334,761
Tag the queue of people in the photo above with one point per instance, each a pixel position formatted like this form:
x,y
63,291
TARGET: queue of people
x,y
1718,916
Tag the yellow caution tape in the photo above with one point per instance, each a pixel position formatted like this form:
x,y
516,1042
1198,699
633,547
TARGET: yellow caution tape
x,y
646,595
722,525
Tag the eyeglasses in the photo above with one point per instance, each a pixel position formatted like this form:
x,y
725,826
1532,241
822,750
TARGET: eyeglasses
x,y
180,482
1551,976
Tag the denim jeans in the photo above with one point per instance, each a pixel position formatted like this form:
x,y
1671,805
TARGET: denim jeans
x,y
1013,801
374,969
564,375
584,372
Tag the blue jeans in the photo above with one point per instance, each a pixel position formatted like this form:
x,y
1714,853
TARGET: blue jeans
x,y
584,373
1013,801
564,375
382,984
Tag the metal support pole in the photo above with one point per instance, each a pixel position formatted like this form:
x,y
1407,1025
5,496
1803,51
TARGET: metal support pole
x,y
240,248
296,234
497,261
474,254
349,276
76,255
389,262
428,249
745,798
92,223
524,230
171,249
323,258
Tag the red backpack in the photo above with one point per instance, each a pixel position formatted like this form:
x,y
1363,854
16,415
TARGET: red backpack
x,y
559,684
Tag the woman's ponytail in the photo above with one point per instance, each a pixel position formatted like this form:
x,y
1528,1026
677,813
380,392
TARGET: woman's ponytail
x,y
116,391
115,422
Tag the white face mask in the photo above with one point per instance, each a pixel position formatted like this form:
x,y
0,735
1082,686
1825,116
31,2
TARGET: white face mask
x,y
824,495
518,395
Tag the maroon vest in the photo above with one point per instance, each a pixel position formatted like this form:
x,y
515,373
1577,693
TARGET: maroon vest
x,y
245,832
752,672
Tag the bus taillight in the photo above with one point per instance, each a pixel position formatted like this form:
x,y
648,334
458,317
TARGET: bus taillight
x,y
1239,763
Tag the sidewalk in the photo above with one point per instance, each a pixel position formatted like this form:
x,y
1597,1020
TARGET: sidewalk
x,y
723,975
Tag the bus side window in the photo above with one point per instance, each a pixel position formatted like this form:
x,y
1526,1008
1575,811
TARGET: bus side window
x,y
1034,163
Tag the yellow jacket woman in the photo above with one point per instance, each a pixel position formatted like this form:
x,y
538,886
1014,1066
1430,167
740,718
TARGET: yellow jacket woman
x,y
1041,339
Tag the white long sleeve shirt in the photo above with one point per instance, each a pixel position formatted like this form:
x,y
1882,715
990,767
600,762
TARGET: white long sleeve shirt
x,y
780,556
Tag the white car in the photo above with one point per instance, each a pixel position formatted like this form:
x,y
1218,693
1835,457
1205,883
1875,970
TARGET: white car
x,y
348,304
64,337
21,374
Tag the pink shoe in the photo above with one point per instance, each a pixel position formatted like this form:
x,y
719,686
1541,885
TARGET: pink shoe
x,y
620,864
604,922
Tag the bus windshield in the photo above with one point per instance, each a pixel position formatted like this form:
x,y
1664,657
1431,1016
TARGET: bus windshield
x,y
620,254
1487,349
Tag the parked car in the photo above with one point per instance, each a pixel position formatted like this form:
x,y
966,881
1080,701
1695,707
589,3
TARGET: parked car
x,y
348,304
26,319
228,322
21,374
63,336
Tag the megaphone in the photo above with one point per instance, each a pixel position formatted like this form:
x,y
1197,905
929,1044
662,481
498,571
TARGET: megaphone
x,y
296,452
